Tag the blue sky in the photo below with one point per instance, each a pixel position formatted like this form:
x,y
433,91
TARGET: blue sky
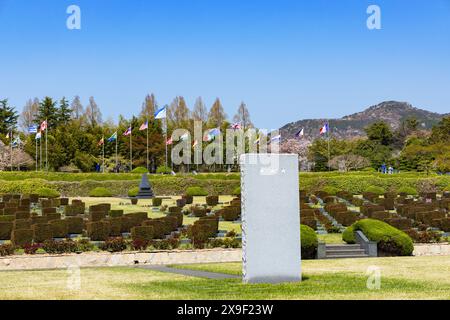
x,y
288,60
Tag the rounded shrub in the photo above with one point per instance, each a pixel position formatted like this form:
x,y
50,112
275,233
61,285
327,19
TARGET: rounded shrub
x,y
100,192
133,192
408,190
164,170
139,170
47,193
331,190
309,242
349,235
390,240
447,188
237,191
377,190
196,191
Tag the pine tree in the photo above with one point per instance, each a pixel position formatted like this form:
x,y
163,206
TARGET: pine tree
x,y
8,117
216,114
200,113
243,117
48,111
64,112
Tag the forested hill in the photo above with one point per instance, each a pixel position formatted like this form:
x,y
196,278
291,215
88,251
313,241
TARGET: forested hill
x,y
352,126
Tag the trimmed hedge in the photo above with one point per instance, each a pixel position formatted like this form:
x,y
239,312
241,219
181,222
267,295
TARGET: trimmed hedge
x,y
390,240
100,192
47,193
196,191
133,192
140,170
375,189
309,242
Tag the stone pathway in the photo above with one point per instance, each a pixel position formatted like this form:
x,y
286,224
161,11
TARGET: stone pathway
x,y
192,273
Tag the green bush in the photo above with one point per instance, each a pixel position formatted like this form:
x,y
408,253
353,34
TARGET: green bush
x,y
447,188
331,190
140,170
309,242
390,240
98,231
349,235
133,192
156,202
100,192
408,190
5,230
20,237
196,191
42,232
60,229
164,170
237,191
114,245
144,233
377,190
47,193
59,247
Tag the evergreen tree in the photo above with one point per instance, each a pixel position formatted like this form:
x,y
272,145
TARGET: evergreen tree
x,y
243,117
8,117
47,111
216,114
64,112
380,132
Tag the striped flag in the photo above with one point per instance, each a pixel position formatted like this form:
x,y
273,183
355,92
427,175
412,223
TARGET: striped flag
x,y
128,132
276,138
32,129
144,126
236,126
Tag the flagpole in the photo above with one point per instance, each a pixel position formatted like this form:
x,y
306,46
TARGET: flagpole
x,y
165,130
40,152
10,148
36,153
131,151
148,158
103,159
46,145
117,162
329,153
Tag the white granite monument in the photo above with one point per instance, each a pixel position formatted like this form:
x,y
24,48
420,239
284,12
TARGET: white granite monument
x,y
270,218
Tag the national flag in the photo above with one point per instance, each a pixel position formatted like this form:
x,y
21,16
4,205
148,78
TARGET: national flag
x,y
16,142
38,135
195,144
208,138
128,132
161,113
44,125
8,135
113,137
144,126
184,137
324,129
101,142
214,132
169,141
276,138
32,129
236,126
301,133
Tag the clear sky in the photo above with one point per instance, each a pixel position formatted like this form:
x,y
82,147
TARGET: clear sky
x,y
287,59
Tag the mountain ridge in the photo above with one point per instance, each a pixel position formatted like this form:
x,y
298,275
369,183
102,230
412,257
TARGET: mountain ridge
x,y
352,126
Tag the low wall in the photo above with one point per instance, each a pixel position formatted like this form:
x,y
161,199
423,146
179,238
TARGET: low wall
x,y
105,259
433,249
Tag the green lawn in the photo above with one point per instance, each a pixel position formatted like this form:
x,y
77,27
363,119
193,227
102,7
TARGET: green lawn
x,y
331,238
401,278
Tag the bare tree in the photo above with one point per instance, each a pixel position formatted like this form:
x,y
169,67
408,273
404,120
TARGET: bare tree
x,y
149,106
77,107
200,113
19,157
349,162
29,113
93,113
243,117
216,114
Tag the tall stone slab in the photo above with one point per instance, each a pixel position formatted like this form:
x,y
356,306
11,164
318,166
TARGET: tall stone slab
x,y
270,218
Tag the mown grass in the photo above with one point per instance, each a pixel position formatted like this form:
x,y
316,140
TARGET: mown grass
x,y
401,278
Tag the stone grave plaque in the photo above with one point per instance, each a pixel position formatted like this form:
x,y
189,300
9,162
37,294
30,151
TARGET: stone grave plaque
x,y
270,218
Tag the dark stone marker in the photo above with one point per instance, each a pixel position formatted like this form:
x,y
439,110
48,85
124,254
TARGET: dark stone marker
x,y
145,188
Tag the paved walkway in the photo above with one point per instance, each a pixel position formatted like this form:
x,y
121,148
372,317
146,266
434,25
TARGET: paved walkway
x,y
192,273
